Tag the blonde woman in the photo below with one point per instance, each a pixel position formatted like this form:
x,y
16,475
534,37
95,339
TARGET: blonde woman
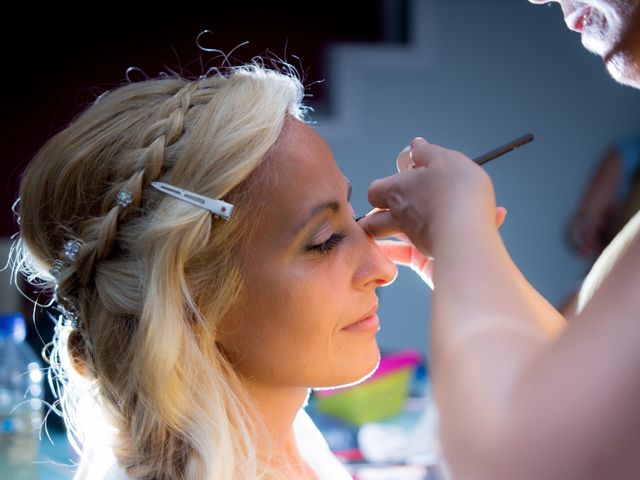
x,y
199,237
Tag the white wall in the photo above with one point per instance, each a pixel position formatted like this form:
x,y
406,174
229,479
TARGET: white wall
x,y
477,74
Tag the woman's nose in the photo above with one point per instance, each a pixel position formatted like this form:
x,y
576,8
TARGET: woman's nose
x,y
375,268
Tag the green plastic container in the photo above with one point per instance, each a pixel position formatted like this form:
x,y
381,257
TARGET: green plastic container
x,y
381,396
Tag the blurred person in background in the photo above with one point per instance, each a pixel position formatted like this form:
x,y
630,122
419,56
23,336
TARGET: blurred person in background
x,y
610,200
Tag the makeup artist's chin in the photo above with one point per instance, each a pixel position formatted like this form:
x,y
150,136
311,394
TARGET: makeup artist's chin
x,y
621,57
623,68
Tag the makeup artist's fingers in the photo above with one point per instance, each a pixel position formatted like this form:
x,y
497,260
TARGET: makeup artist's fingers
x,y
379,223
405,159
404,162
423,152
380,189
501,215
418,154
398,251
403,252
429,202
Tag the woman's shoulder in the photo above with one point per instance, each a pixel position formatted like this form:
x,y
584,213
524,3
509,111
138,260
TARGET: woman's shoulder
x,y
311,444
315,451
115,472
622,255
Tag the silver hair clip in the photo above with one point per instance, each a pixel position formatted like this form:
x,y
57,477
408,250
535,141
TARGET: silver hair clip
x,y
214,205
124,198
71,249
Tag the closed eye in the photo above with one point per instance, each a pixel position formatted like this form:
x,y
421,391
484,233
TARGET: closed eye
x,y
328,245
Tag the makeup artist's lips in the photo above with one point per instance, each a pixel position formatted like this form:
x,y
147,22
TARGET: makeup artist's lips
x,y
579,18
369,322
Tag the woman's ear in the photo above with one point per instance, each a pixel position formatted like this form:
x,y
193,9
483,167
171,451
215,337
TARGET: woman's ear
x,y
77,350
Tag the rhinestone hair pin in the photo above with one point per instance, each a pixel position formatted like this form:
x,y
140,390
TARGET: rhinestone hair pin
x,y
71,249
124,198
56,268
217,207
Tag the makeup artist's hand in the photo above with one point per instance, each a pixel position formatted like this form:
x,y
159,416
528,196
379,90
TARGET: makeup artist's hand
x,y
436,194
403,252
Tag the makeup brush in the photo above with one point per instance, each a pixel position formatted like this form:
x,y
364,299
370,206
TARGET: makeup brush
x,y
496,152
488,156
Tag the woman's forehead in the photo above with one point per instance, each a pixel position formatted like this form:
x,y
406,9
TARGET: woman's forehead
x,y
304,163
301,172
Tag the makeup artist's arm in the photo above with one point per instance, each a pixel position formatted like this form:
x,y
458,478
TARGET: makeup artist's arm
x,y
515,401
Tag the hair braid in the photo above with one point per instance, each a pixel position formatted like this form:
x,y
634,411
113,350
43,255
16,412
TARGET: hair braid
x,y
99,234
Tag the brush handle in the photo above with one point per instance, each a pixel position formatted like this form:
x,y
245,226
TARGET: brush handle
x,y
496,152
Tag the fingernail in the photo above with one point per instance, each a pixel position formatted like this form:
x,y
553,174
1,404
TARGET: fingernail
x,y
405,150
373,210
416,142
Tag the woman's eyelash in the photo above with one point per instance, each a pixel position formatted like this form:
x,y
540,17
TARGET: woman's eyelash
x,y
327,245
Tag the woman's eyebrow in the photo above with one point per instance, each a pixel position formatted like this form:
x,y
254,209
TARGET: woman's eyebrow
x,y
333,205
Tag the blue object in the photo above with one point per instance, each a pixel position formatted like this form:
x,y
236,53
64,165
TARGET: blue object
x,y
21,393
13,326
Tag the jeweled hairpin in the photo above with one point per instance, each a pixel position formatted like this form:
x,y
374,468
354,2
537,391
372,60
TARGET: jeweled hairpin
x,y
71,249
70,313
217,207
124,198
56,268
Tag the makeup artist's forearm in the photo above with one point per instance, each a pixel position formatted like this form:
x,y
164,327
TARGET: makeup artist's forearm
x,y
495,381
475,266
596,417
552,320
483,314
480,297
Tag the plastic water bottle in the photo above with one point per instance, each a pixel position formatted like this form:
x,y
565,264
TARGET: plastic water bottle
x,y
21,393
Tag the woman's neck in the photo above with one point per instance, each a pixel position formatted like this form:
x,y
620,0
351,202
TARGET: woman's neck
x,y
277,408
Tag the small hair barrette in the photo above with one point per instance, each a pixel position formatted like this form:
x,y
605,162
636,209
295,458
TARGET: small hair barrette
x,y
217,207
71,249
124,198
56,268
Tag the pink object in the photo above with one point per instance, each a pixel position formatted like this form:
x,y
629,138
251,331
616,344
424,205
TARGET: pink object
x,y
389,364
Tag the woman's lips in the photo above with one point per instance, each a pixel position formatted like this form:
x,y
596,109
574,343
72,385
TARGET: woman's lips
x,y
579,19
370,322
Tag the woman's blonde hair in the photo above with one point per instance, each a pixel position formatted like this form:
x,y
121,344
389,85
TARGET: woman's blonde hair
x,y
151,282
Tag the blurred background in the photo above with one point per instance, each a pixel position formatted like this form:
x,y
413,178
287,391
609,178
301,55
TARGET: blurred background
x,y
467,75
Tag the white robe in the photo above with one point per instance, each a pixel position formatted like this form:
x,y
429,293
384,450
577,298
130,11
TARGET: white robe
x,y
311,444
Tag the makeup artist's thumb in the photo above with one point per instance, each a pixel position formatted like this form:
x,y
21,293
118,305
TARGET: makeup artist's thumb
x,y
379,223
501,215
422,151
418,142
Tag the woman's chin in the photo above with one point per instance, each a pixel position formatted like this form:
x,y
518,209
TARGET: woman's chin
x,y
349,376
